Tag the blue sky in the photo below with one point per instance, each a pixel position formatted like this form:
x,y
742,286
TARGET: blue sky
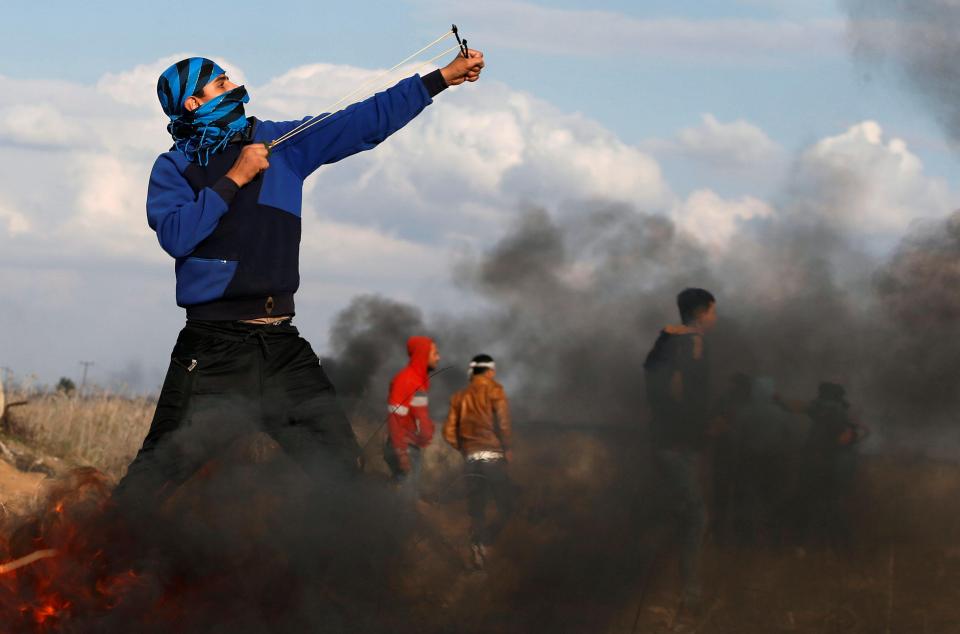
x,y
701,110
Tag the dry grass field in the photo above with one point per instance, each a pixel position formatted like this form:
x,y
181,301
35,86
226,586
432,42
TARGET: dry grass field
x,y
102,429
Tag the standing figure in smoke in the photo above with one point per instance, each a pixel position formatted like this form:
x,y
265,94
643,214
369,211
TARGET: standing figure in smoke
x,y
478,426
726,456
764,442
678,388
229,211
409,425
828,466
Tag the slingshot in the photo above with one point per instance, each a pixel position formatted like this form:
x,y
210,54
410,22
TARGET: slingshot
x,y
374,85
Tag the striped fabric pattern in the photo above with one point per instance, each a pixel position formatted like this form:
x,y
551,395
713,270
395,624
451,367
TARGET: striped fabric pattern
x,y
209,128
399,410
184,79
420,400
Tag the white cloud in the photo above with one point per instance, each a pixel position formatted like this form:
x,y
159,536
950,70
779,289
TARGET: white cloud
x,y
38,124
138,86
309,89
109,206
870,183
734,145
362,250
474,155
713,220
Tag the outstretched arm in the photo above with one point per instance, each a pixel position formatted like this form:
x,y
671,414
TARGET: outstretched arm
x,y
364,125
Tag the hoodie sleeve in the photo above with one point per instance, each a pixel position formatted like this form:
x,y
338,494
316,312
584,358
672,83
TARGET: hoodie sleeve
x,y
181,217
398,406
358,127
501,409
419,409
451,428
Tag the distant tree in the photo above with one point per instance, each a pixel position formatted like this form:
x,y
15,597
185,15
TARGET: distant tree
x,y
66,386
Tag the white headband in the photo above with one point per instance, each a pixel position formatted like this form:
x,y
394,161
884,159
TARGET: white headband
x,y
481,364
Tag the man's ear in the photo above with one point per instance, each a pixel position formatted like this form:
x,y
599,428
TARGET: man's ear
x,y
191,103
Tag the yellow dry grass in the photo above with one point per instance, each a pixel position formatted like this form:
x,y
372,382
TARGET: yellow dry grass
x,y
102,430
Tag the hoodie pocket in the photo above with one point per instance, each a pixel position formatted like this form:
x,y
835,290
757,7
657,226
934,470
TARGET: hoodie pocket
x,y
201,280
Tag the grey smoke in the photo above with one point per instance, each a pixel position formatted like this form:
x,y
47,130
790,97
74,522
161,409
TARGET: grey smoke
x,y
369,334
574,303
917,38
574,300
918,290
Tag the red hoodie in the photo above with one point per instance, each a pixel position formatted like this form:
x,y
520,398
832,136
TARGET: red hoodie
x,y
410,422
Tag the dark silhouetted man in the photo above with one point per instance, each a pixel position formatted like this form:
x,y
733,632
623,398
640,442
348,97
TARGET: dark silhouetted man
x,y
828,466
678,391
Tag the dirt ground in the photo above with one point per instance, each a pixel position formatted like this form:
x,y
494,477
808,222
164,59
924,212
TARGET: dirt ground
x,y
18,490
586,554
25,475
584,569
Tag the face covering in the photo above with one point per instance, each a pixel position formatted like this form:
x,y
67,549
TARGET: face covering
x,y
208,129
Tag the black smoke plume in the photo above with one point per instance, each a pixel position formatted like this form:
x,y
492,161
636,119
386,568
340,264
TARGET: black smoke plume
x,y
575,303
917,38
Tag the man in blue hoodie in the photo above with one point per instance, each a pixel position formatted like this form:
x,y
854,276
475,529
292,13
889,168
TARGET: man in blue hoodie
x,y
228,209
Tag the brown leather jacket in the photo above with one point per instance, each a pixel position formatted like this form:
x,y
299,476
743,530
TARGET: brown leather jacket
x,y
479,418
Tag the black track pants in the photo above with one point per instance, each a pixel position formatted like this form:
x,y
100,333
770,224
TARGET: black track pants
x,y
229,379
485,478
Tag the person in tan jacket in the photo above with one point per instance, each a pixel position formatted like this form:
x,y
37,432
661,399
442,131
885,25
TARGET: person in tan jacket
x,y
478,426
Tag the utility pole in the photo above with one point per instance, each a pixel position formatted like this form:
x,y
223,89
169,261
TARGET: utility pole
x,y
83,382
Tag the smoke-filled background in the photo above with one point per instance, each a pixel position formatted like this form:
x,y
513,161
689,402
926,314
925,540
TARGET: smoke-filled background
x,y
821,287
847,273
570,304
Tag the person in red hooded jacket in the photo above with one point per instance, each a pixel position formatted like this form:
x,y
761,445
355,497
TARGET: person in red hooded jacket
x,y
410,427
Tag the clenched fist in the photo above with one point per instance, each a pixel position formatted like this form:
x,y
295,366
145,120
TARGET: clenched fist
x,y
463,69
252,161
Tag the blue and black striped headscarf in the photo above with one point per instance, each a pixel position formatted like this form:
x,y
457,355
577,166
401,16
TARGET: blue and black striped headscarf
x,y
209,128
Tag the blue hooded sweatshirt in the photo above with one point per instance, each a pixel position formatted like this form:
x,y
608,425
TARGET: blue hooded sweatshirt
x,y
237,249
